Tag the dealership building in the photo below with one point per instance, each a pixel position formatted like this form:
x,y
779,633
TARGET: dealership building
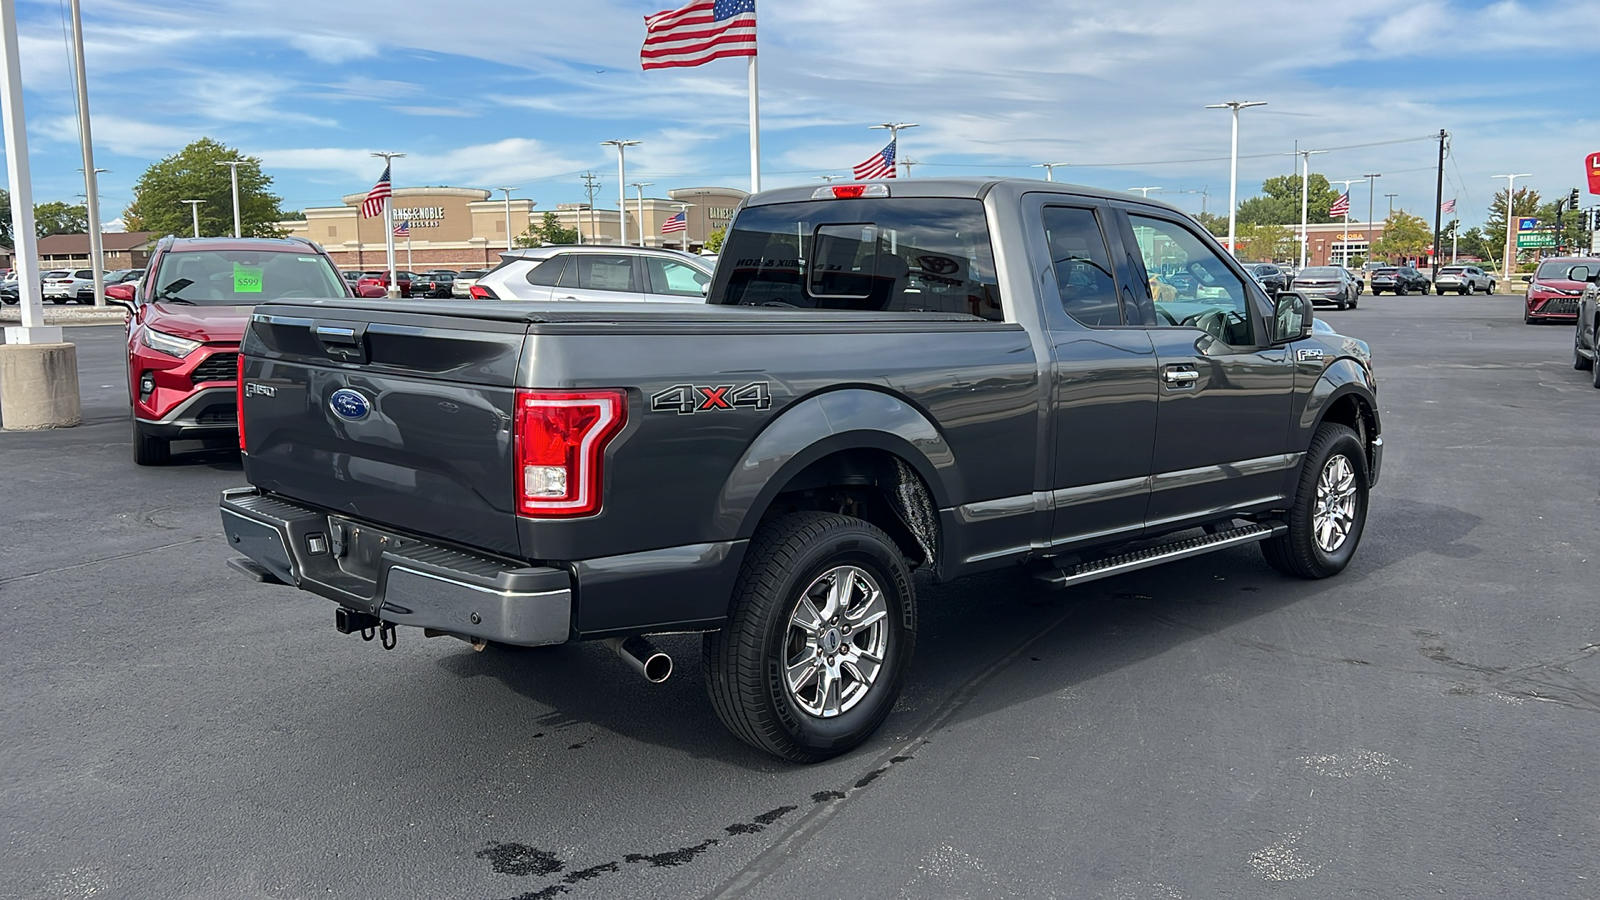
x,y
466,228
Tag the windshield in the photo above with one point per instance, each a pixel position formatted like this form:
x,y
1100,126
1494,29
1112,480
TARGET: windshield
x,y
243,277
1451,270
1320,272
1558,271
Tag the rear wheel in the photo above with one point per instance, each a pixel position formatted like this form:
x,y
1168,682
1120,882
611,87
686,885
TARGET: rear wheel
x,y
1400,290
1439,291
1470,289
1579,361
821,631
149,450
1330,508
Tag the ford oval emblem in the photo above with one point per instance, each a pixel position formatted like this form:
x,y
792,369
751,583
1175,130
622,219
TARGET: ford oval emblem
x,y
349,405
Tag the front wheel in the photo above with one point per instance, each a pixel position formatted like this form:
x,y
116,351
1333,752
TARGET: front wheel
x,y
1491,287
821,632
1330,508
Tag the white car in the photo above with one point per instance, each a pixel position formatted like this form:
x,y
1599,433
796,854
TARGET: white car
x,y
572,272
74,285
461,288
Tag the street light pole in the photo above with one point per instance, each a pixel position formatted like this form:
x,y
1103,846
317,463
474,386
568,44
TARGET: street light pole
x,y
1346,239
194,213
684,208
894,137
1233,164
1371,178
91,187
233,173
1049,169
1511,252
622,187
639,187
388,221
1305,195
510,242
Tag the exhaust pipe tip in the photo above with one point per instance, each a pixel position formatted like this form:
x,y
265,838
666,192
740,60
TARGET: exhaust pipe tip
x,y
643,657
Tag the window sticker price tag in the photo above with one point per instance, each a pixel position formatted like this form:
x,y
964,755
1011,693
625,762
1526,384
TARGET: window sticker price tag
x,y
246,279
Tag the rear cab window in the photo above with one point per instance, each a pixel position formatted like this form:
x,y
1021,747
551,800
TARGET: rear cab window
x,y
909,254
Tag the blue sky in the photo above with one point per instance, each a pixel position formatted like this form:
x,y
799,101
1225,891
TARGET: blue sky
x,y
484,94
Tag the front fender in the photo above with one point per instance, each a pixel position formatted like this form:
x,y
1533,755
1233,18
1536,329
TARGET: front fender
x,y
845,419
1343,376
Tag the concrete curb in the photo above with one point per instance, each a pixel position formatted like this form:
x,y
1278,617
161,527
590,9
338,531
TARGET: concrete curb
x,y
68,315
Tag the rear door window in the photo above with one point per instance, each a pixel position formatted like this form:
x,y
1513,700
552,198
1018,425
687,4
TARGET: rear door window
x,y
882,254
1082,265
548,272
598,272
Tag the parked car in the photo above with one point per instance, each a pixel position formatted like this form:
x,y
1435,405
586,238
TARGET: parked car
x,y
1327,284
434,283
1553,291
376,284
1401,280
1586,337
9,292
188,314
461,287
570,272
118,276
1273,279
875,383
1463,280
69,285
351,277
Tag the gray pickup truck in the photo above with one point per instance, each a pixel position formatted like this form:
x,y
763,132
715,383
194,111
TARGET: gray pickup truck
x,y
947,375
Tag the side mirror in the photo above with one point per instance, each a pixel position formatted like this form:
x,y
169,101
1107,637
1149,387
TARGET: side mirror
x,y
122,295
1581,273
1291,317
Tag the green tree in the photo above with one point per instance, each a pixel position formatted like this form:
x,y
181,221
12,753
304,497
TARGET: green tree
x,y
1475,242
548,231
1264,242
193,174
1217,225
1524,203
1573,236
1280,201
1403,235
713,243
56,217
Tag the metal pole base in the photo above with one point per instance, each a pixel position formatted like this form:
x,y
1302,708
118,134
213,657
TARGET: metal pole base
x,y
39,386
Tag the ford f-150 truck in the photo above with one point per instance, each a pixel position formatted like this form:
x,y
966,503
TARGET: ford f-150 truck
x,y
946,375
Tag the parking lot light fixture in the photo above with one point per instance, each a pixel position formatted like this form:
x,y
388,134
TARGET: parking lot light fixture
x,y
1049,169
510,239
1233,164
194,212
233,174
639,187
1511,250
1144,191
622,186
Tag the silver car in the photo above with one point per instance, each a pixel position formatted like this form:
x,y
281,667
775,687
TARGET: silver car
x,y
1463,280
1327,284
571,272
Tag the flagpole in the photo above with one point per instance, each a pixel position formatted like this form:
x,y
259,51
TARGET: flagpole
x,y
755,130
388,222
408,247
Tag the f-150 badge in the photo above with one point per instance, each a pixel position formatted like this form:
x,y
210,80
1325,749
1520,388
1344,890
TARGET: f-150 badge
x,y
1308,355
688,399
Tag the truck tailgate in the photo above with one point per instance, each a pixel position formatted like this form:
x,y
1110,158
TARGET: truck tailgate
x,y
401,419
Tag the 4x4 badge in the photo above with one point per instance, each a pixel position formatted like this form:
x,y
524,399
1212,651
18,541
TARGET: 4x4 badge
x,y
688,399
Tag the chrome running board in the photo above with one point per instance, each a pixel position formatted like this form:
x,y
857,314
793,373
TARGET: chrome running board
x,y
1155,556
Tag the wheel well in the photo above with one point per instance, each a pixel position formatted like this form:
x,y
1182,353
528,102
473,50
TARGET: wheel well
x,y
1353,413
874,485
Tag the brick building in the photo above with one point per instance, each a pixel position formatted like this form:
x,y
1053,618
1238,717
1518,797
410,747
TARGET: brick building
x,y
123,250
461,228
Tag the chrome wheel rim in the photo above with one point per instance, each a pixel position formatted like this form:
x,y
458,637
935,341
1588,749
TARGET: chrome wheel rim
x,y
1335,512
835,644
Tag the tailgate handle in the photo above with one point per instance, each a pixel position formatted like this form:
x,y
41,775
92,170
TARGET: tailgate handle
x,y
330,334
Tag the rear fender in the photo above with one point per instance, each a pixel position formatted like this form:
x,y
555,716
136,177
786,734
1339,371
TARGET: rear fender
x,y
824,424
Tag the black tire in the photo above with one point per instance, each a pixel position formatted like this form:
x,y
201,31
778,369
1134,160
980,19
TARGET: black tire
x,y
149,450
1400,290
1596,379
1579,361
1297,552
1376,292
1353,301
1341,303
1470,289
1439,291
1491,287
744,663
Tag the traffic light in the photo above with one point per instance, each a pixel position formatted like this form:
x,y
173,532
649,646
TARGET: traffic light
x,y
1572,200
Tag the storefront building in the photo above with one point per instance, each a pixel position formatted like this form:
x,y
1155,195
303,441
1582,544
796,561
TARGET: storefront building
x,y
465,228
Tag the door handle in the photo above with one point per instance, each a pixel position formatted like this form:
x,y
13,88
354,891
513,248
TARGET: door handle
x,y
1179,377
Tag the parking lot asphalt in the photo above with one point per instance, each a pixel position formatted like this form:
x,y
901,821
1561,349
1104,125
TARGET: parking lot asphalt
x,y
1423,724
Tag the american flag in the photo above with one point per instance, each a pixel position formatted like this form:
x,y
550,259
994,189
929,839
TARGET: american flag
x,y
1449,207
679,222
878,165
699,32
373,205
402,228
1341,206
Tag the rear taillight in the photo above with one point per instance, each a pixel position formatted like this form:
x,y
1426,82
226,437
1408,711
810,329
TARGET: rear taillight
x,y
238,401
479,292
561,439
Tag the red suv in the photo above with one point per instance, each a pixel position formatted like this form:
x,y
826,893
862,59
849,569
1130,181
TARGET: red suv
x,y
376,284
188,315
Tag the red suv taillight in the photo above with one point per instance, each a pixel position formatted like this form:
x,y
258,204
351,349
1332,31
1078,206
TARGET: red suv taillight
x,y
560,439
479,292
